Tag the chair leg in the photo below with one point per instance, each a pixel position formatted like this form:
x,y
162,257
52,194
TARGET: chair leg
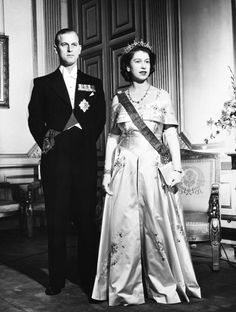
x,y
22,220
214,226
29,220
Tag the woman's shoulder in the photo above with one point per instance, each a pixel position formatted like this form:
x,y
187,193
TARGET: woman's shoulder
x,y
159,92
115,103
161,96
116,98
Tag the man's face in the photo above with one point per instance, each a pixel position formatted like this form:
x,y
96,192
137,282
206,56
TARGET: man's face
x,y
68,48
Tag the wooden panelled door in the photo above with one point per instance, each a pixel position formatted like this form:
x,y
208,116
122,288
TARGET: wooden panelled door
x,y
105,27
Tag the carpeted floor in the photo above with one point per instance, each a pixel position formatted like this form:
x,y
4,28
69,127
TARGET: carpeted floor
x,y
23,276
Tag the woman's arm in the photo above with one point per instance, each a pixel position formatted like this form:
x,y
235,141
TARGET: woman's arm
x,y
171,137
112,142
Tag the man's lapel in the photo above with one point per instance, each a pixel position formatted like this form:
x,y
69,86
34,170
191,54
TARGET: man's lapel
x,y
59,86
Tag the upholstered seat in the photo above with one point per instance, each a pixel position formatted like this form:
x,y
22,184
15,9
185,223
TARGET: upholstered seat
x,y
8,206
197,226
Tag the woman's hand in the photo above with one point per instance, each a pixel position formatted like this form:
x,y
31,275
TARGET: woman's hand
x,y
106,183
176,178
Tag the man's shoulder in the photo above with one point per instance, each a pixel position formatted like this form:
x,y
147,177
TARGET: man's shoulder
x,y
88,78
46,78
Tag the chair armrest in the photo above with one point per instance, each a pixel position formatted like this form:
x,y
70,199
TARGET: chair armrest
x,y
214,207
34,185
214,215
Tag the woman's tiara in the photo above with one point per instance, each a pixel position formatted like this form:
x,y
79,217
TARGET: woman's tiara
x,y
140,43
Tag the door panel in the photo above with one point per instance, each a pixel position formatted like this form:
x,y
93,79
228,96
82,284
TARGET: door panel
x,y
121,17
92,64
91,22
105,27
118,81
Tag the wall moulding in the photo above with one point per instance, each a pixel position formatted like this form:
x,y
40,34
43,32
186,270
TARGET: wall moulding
x,y
204,80
4,72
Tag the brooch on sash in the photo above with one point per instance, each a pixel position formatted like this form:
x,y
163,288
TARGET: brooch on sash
x,y
84,105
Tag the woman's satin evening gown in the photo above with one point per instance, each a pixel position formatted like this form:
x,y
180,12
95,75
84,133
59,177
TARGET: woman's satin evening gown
x,y
143,246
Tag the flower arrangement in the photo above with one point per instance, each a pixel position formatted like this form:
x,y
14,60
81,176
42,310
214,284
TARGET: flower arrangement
x,y
227,120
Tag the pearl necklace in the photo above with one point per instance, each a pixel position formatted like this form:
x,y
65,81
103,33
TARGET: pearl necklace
x,y
142,98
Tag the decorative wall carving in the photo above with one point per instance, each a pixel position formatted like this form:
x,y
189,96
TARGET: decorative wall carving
x,y
35,152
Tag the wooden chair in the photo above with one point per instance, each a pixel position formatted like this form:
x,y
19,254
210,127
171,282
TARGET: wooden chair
x,y
199,194
35,206
8,206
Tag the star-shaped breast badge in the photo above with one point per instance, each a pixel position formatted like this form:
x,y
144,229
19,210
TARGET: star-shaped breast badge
x,y
84,105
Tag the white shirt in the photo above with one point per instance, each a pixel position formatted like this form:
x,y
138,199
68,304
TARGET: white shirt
x,y
70,82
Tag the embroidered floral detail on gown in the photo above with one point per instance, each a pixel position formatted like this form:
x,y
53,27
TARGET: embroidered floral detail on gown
x,y
143,239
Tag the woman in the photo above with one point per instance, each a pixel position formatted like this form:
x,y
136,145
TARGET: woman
x,y
143,247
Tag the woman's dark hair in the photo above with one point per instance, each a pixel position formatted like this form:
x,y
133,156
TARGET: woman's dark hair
x,y
126,58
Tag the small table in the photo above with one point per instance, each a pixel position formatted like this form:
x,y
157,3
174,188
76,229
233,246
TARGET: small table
x,y
229,217
233,160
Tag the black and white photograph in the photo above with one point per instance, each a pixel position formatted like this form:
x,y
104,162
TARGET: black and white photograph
x,y
117,155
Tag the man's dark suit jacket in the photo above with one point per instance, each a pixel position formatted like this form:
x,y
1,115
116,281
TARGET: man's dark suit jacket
x,y
50,106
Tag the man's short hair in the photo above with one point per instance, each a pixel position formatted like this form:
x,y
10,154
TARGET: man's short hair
x,y
62,32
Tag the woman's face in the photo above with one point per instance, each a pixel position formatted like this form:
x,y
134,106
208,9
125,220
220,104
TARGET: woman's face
x,y
139,66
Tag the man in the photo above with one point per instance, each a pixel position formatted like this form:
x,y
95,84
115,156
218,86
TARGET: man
x,y
66,117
